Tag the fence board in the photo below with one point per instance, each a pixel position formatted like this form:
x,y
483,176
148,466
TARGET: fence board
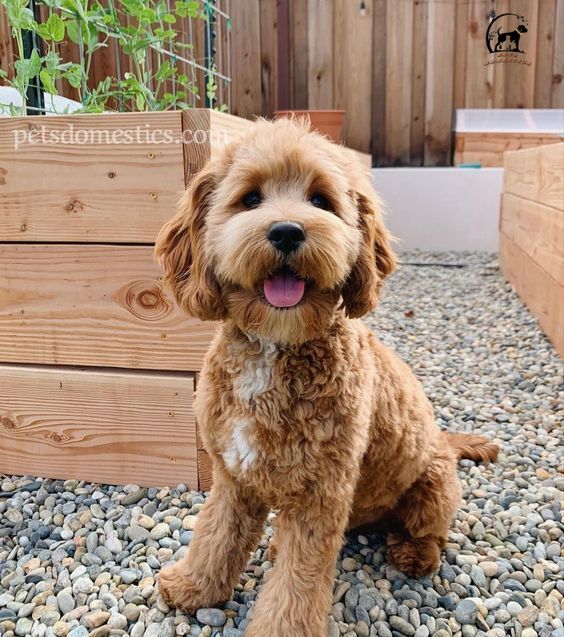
x,y
520,78
269,55
379,83
545,52
102,426
246,92
399,20
353,72
438,104
298,58
320,54
93,305
558,61
418,81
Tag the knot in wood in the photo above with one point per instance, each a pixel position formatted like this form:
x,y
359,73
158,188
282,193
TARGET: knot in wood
x,y
146,300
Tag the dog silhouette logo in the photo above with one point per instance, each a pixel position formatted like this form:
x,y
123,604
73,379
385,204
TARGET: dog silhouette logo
x,y
505,33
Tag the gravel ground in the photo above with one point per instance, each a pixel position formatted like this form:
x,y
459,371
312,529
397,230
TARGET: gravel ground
x,y
81,559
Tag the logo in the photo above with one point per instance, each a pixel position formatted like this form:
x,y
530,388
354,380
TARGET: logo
x,y
506,37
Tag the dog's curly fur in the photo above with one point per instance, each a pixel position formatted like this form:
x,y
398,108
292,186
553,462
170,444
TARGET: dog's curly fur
x,y
301,409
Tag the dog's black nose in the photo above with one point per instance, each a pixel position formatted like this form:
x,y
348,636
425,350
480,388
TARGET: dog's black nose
x,y
286,236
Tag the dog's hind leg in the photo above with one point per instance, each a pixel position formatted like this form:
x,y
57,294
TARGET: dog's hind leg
x,y
425,512
228,528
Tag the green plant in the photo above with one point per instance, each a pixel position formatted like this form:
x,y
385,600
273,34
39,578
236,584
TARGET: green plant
x,y
143,30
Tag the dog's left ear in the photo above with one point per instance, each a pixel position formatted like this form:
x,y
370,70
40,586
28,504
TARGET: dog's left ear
x,y
375,261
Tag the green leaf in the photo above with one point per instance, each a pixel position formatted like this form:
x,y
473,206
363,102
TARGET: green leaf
x,y
34,64
56,27
47,82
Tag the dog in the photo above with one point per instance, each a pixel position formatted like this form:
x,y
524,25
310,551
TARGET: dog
x,y
513,36
301,409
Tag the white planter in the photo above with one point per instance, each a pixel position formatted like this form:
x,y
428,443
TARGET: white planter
x,y
442,209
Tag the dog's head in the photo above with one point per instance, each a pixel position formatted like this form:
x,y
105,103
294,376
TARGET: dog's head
x,y
276,234
522,28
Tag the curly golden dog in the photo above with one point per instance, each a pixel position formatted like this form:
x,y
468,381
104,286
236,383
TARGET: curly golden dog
x,y
301,409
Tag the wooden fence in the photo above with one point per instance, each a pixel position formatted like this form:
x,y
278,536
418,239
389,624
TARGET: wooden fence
x,y
398,67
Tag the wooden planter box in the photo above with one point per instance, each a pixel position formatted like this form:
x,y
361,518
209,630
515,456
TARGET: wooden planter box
x,y
532,233
488,149
97,365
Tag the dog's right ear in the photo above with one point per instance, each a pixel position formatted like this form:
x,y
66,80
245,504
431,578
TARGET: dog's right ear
x,y
180,250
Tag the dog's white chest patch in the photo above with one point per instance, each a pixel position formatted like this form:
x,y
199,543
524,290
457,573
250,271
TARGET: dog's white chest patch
x,y
256,373
241,452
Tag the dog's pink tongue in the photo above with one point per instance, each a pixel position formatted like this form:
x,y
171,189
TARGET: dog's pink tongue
x,y
284,290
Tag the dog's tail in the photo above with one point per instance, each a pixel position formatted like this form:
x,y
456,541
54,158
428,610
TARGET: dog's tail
x,y
473,447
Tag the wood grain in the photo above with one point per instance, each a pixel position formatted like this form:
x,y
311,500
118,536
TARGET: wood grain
x,y
479,74
537,174
546,33
537,230
399,20
298,22
488,149
379,63
418,81
440,87
557,100
269,55
101,191
245,58
320,53
353,72
520,78
93,305
98,425
542,295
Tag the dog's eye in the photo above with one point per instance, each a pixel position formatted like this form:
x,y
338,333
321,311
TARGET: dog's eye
x,y
251,199
320,201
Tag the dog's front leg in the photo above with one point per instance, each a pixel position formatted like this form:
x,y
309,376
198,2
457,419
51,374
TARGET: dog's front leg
x,y
296,599
228,528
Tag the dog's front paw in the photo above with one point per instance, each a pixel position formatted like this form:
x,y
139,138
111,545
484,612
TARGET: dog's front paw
x,y
414,556
181,590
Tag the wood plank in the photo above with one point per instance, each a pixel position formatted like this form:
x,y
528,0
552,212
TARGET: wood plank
x,y
537,230
399,21
478,80
353,72
269,55
439,98
320,54
542,295
461,36
488,149
246,97
545,53
520,78
558,60
378,101
537,174
298,54
117,187
93,305
98,425
418,81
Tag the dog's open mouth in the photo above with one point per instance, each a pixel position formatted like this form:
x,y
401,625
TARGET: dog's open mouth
x,y
284,288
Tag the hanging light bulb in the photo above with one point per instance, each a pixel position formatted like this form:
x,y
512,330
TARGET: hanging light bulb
x,y
362,8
